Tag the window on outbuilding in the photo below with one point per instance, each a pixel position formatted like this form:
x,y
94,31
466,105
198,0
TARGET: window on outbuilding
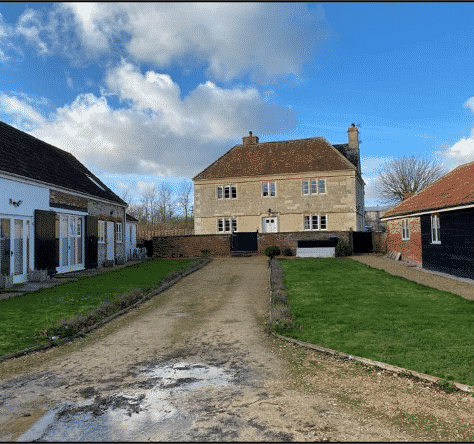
x,y
435,239
405,229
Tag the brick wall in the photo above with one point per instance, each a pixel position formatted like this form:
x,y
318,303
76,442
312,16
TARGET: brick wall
x,y
191,246
290,240
219,245
379,239
411,248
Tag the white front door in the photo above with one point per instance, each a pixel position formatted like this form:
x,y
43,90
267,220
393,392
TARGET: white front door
x,y
15,247
110,241
269,224
71,242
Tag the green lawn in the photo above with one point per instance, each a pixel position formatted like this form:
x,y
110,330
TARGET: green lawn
x,y
23,318
350,307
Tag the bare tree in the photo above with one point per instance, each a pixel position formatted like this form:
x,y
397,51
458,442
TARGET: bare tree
x,y
184,197
149,200
165,204
402,177
127,193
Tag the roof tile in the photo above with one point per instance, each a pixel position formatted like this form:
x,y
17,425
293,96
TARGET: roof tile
x,y
455,188
27,156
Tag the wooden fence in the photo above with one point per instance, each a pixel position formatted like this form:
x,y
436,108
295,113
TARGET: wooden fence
x,y
147,234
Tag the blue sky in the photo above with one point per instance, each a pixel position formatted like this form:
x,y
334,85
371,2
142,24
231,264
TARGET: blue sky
x,y
142,93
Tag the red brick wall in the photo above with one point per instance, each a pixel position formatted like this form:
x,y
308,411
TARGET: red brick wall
x,y
379,241
219,245
290,240
410,249
191,246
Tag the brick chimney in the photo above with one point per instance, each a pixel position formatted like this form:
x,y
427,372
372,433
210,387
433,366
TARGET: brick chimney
x,y
250,140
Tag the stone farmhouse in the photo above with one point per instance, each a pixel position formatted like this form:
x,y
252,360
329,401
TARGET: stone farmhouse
x,y
55,214
285,186
433,228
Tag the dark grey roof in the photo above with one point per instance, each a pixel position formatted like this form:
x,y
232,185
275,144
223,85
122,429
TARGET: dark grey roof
x,y
27,156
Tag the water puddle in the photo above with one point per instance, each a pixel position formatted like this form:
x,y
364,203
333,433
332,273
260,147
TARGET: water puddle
x,y
134,414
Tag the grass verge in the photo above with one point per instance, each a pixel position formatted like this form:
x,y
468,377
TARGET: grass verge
x,y
29,319
355,309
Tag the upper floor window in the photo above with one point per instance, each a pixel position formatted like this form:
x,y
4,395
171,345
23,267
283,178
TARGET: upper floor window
x,y
119,232
322,186
101,232
314,186
405,229
226,192
268,189
435,239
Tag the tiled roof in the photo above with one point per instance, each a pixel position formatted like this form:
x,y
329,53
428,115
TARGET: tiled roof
x,y
269,158
27,156
456,188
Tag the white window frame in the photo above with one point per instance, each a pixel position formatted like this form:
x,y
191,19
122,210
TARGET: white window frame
x,y
435,230
405,229
226,225
325,223
321,222
305,187
268,189
101,232
226,192
119,232
322,181
313,186
306,223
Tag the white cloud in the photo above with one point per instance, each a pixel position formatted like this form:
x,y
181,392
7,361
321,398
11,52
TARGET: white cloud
x,y
21,110
231,39
156,132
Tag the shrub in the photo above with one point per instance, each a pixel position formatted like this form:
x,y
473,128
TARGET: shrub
x,y
342,249
205,253
287,252
272,251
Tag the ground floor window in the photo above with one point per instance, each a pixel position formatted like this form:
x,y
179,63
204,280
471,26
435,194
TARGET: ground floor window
x,y
315,222
435,239
405,229
226,225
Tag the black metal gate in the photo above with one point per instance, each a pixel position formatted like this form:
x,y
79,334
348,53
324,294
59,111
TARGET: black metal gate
x,y
244,242
362,242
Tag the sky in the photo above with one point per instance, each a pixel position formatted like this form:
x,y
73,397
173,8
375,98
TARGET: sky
x,y
143,93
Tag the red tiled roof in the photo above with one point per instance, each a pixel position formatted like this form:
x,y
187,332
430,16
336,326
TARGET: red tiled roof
x,y
269,158
456,188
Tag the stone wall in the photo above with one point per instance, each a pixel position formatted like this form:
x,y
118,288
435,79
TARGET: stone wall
x,y
342,202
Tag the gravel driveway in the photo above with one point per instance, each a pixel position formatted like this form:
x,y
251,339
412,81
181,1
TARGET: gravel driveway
x,y
195,364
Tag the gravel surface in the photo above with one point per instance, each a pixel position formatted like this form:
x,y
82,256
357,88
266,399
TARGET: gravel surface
x,y
195,364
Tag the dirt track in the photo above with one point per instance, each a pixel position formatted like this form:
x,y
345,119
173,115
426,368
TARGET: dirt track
x,y
194,364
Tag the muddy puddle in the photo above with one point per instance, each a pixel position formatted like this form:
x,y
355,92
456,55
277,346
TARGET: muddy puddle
x,y
161,405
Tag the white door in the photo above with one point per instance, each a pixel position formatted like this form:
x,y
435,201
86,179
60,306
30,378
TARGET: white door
x,y
110,241
15,247
269,224
71,243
